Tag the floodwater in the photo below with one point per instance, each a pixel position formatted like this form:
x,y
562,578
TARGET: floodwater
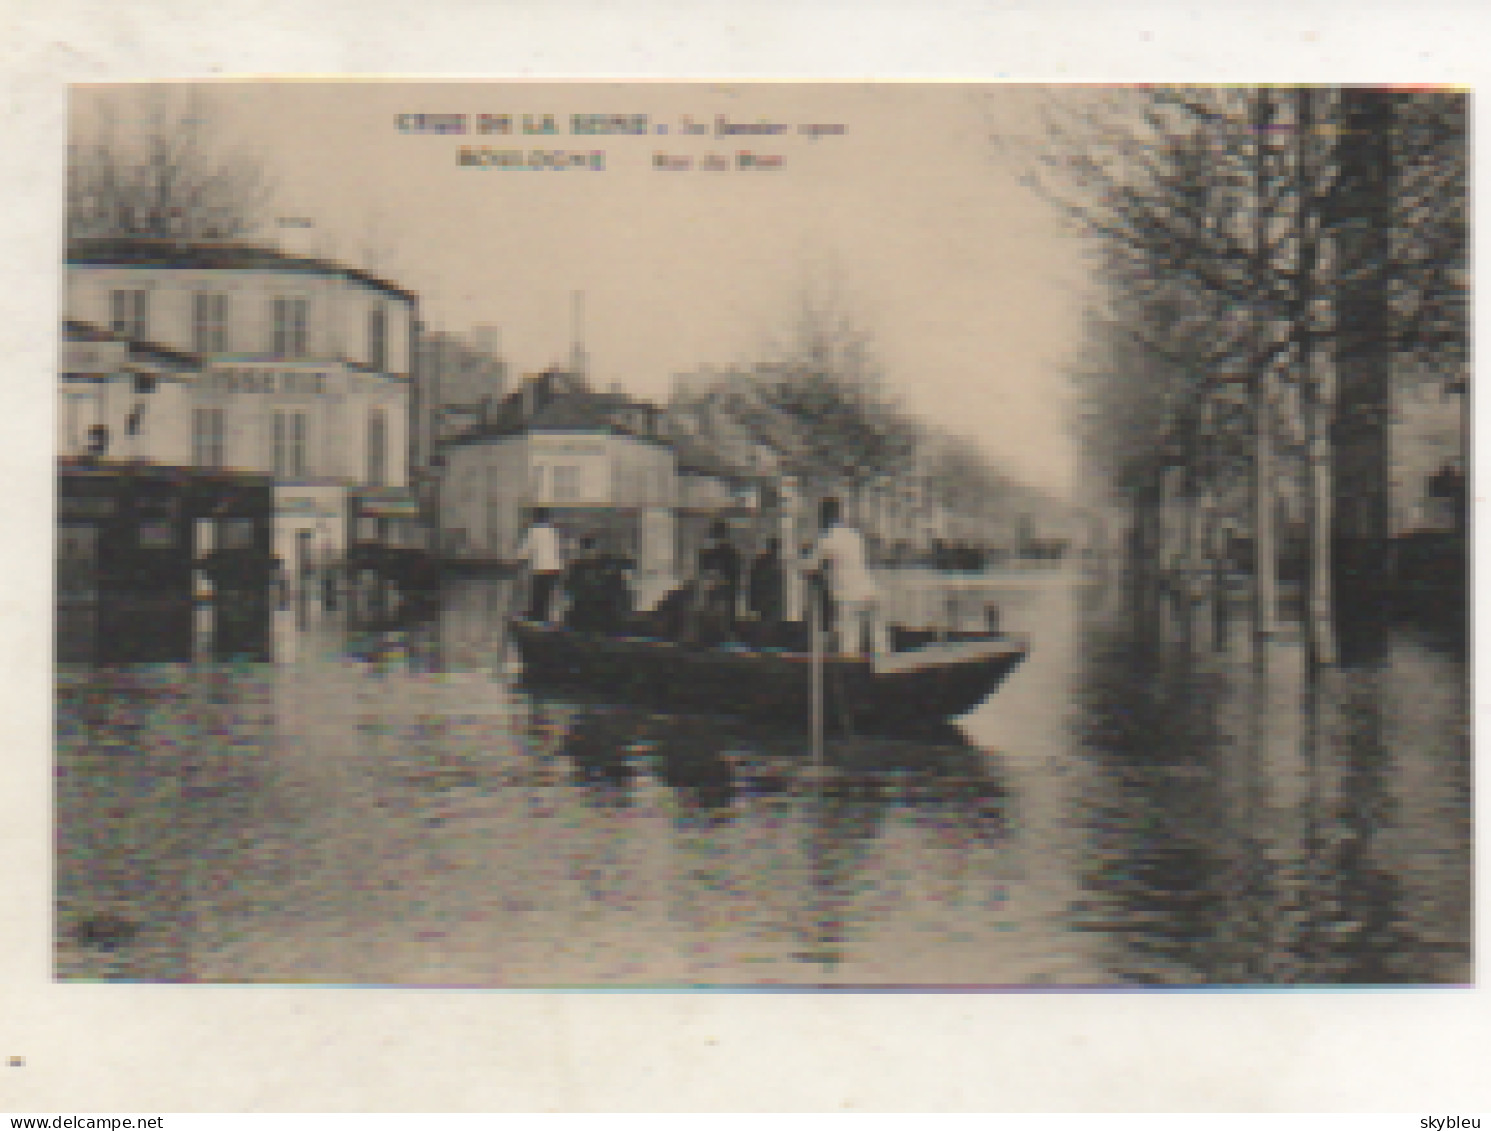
x,y
389,808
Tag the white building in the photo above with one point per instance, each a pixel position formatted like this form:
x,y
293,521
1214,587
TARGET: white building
x,y
595,459
223,355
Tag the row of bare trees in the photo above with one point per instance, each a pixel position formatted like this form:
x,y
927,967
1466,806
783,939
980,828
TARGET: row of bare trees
x,y
1276,261
819,407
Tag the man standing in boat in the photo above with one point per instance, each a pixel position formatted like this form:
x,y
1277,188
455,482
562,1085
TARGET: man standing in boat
x,y
840,552
539,552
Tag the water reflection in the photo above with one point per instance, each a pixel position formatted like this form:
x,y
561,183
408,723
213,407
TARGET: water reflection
x,y
1268,824
756,859
1161,804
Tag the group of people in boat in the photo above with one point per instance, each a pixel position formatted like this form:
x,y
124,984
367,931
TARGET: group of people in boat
x,y
725,599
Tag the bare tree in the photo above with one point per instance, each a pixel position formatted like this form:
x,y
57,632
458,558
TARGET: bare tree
x,y
825,388
816,399
1297,245
152,162
1178,185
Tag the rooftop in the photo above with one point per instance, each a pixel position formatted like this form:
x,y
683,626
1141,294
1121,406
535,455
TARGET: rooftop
x,y
214,255
558,402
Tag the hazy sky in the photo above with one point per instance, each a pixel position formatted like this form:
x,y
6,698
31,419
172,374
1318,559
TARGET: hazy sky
x,y
971,289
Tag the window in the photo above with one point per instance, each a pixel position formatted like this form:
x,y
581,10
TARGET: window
x,y
377,448
290,327
207,437
210,323
566,483
128,314
290,445
538,481
378,339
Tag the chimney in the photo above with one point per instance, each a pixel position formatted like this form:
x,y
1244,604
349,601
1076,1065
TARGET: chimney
x,y
579,360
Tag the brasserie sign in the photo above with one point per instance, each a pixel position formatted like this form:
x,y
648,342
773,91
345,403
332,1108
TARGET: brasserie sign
x,y
240,379
245,379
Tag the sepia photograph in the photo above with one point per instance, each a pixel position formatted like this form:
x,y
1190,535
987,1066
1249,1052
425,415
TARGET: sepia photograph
x,y
741,534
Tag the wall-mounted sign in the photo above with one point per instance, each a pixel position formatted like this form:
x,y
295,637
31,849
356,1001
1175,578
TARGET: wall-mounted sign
x,y
245,379
304,505
388,508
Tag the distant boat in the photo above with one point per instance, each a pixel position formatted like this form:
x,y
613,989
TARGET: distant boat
x,y
930,679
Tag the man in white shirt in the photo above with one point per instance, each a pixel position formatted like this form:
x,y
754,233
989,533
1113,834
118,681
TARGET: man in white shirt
x,y
539,551
840,552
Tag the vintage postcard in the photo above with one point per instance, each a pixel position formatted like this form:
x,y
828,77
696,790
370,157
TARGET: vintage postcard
x,y
662,535
739,535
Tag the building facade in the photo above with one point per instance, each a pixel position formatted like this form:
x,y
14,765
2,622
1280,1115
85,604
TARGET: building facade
x,y
596,460
1427,490
220,356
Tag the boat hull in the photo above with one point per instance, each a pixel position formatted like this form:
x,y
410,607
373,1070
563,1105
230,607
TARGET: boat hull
x,y
921,688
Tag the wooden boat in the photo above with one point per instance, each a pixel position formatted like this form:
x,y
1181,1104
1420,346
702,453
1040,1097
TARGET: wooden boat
x,y
928,680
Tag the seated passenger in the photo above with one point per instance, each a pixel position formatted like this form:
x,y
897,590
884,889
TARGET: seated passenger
x,y
719,575
768,585
599,598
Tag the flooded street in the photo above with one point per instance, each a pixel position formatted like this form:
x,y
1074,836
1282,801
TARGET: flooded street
x,y
390,808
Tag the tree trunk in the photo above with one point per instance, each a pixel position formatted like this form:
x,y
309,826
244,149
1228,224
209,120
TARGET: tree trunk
x,y
1171,540
1315,395
1145,551
1265,544
1201,565
1265,540
1360,217
1320,622
1194,556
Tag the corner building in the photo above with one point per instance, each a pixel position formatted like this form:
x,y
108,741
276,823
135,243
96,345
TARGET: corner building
x,y
230,357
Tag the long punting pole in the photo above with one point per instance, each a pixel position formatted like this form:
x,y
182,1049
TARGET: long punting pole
x,y
818,946
815,694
